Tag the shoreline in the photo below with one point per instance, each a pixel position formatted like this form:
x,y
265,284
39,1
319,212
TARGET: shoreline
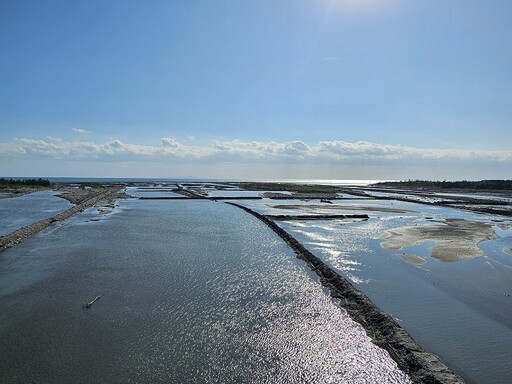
x,y
83,199
420,365
8,193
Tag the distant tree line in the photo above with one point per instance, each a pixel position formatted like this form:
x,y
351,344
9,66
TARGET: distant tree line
x,y
483,184
5,183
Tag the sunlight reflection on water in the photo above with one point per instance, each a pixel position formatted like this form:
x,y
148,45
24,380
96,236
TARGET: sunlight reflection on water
x,y
474,293
192,291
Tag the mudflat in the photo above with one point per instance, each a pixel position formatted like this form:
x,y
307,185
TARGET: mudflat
x,y
456,239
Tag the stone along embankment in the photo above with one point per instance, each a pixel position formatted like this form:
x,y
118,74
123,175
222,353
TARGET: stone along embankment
x,y
420,365
82,198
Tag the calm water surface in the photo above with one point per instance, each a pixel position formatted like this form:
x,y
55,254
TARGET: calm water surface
x,y
152,192
17,212
192,292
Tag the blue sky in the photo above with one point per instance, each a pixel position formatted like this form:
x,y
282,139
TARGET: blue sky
x,y
343,89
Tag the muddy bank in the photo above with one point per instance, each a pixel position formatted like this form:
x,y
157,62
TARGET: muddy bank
x,y
82,198
421,366
98,196
6,193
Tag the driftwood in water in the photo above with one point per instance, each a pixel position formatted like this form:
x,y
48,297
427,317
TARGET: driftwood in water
x,y
90,303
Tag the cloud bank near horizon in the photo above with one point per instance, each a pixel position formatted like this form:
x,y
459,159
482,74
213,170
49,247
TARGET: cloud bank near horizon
x,y
362,159
336,150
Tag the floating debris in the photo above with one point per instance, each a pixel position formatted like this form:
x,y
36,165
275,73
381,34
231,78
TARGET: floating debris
x,y
90,303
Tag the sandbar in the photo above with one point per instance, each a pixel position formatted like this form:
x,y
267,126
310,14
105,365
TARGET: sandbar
x,y
413,259
456,239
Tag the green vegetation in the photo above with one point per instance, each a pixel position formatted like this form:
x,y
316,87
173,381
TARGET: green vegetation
x,y
501,185
290,187
24,183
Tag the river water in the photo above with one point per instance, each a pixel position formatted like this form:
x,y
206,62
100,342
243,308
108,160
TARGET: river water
x,y
191,292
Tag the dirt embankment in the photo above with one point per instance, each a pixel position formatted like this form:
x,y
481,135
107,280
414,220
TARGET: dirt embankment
x,y
99,196
6,193
82,198
421,366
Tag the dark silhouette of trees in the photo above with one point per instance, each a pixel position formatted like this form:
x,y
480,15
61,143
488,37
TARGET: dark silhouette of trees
x,y
464,184
7,183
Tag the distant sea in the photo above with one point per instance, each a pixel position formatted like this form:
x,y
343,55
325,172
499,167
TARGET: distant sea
x,y
195,179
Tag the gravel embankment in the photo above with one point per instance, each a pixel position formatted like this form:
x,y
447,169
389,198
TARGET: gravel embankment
x,y
82,198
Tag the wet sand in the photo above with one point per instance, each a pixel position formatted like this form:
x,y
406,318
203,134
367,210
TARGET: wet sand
x,y
455,239
413,259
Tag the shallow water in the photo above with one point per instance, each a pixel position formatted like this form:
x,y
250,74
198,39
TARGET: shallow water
x,y
460,311
224,193
151,192
17,212
191,291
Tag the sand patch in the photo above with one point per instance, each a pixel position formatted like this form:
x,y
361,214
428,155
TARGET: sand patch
x,y
413,259
335,207
456,239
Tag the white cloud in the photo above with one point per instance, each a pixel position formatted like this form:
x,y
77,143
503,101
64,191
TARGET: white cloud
x,y
80,131
259,149
170,143
367,150
11,149
263,151
250,159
